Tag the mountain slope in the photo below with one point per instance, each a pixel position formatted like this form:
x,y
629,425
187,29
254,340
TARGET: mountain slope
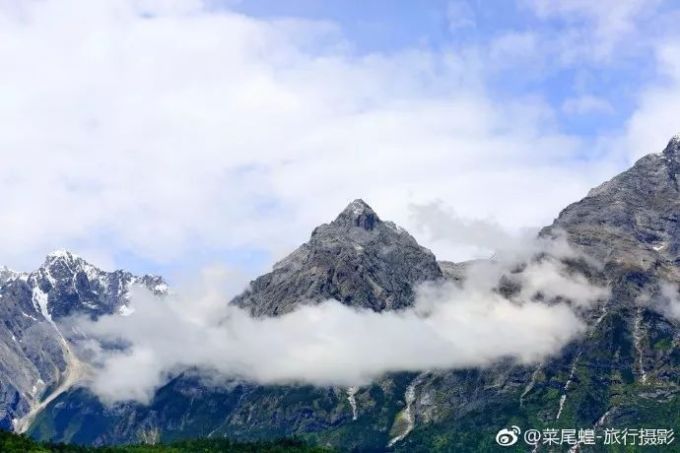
x,y
634,217
624,372
632,359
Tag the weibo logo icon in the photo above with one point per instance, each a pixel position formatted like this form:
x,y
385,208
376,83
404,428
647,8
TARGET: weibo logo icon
x,y
508,437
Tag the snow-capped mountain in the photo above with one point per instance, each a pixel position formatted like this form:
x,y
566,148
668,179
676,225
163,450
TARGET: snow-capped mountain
x,y
36,360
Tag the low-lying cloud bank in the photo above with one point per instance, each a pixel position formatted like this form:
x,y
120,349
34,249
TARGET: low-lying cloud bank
x,y
663,298
452,325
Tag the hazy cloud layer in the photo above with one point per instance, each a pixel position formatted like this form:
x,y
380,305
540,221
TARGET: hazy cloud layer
x,y
450,326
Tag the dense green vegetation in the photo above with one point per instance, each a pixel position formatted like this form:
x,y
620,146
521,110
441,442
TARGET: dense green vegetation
x,y
13,443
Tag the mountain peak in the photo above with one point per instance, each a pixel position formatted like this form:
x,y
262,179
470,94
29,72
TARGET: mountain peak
x,y
672,150
64,263
61,254
358,214
358,260
6,274
634,212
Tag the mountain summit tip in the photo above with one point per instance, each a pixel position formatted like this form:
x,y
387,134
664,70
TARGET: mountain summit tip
x,y
62,253
672,151
358,213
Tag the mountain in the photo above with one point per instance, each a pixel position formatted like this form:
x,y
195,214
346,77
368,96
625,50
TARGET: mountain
x,y
357,259
638,212
356,249
623,372
36,358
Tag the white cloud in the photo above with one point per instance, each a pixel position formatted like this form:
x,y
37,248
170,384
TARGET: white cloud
x,y
455,236
332,344
601,29
159,129
656,119
668,302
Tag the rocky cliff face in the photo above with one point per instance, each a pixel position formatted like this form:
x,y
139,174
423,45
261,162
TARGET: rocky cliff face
x,y
357,259
35,354
623,372
627,369
633,218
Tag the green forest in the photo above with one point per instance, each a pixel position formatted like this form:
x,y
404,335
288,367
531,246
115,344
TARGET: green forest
x,y
14,443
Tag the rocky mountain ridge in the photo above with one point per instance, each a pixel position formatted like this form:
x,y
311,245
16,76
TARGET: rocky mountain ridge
x,y
623,371
36,358
391,408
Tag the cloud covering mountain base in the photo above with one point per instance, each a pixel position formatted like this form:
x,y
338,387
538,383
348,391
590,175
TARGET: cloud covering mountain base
x,y
452,325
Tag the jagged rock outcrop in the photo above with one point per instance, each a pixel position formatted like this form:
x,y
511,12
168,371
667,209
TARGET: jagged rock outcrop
x,y
357,259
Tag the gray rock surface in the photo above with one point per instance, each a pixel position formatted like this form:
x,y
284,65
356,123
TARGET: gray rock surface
x,y
632,219
357,259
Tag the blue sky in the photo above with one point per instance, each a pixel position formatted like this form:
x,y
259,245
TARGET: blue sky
x,y
171,135
383,25
391,26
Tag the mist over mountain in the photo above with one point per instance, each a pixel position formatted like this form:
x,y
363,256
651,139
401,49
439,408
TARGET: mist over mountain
x,y
361,339
357,301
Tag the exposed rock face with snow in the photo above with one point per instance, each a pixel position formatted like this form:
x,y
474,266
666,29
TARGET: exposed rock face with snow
x,y
357,259
77,287
35,356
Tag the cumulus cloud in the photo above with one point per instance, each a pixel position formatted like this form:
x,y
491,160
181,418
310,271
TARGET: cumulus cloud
x,y
156,129
457,236
655,121
451,326
440,225
597,29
